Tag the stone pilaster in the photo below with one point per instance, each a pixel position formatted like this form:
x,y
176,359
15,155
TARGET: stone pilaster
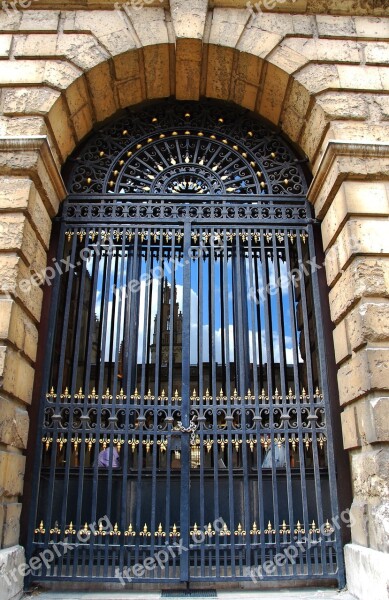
x,y
30,192
351,196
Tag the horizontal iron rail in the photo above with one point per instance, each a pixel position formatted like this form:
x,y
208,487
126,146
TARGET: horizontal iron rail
x,y
169,209
179,198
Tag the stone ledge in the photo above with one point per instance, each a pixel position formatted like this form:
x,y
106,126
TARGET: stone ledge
x,y
11,582
32,155
346,160
331,7
367,572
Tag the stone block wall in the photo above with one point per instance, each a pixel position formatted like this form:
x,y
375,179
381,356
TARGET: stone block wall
x,y
25,227
317,70
355,236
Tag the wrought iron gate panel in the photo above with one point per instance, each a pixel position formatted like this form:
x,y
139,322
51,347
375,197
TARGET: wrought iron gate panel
x,y
184,414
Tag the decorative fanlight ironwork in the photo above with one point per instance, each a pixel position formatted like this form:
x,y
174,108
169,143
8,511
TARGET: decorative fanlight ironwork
x,y
188,148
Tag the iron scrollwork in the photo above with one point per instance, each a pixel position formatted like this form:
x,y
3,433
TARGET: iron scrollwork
x,y
188,148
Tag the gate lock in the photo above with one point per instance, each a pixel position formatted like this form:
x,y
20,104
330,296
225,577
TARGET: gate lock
x,y
191,429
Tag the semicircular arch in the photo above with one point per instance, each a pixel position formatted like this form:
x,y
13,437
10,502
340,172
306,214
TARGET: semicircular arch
x,y
206,147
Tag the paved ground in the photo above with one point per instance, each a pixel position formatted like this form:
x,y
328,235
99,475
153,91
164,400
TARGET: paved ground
x,y
295,594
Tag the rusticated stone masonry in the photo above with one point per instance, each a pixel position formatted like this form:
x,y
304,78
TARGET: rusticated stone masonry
x,y
319,70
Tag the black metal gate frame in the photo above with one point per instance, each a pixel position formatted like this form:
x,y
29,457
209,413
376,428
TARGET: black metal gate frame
x,y
265,415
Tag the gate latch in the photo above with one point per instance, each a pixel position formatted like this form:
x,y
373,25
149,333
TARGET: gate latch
x,y
191,429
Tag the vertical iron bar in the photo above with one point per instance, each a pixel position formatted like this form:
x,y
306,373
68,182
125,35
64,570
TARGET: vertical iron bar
x,y
270,381
130,337
256,337
157,371
253,293
170,379
258,296
145,353
203,256
296,376
185,407
117,329
283,372
100,391
324,377
212,326
243,339
147,312
308,356
229,406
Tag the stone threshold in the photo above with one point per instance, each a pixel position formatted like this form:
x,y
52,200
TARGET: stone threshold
x,y
295,594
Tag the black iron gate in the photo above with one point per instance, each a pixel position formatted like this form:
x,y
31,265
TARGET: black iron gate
x,y
184,420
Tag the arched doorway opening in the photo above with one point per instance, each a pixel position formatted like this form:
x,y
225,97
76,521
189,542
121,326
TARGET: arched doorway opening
x,y
185,402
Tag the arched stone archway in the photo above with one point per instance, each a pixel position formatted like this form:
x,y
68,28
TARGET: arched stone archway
x,y
92,70
305,74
